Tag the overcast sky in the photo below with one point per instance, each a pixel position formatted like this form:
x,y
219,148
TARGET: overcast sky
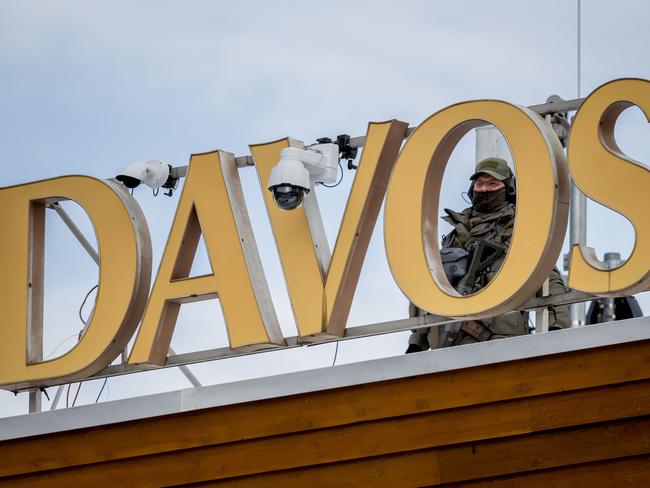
x,y
92,87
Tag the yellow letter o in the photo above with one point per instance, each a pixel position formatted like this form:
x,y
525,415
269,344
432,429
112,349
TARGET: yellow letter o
x,y
411,223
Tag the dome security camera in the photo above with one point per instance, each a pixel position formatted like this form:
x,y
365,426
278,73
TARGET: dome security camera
x,y
154,174
289,181
292,178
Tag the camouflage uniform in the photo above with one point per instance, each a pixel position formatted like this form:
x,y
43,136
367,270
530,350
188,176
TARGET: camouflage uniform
x,y
494,226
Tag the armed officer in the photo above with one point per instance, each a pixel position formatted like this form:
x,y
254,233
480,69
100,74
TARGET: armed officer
x,y
473,252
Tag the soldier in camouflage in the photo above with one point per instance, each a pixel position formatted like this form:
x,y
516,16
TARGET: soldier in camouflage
x,y
490,218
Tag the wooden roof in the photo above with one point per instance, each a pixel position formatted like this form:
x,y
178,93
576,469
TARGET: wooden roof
x,y
576,415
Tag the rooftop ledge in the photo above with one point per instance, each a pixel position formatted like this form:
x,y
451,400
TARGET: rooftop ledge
x,y
391,368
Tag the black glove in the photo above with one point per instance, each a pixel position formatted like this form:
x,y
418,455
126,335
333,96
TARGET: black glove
x,y
413,348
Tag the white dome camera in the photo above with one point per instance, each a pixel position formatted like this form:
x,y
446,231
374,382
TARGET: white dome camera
x,y
154,174
298,169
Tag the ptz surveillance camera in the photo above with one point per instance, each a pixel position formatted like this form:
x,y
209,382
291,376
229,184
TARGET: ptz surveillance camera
x,y
298,169
154,174
289,181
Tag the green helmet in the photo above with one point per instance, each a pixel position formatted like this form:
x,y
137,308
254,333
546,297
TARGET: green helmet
x,y
496,167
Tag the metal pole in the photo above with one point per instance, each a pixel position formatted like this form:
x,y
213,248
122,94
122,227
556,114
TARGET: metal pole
x,y
75,230
57,397
186,371
578,47
490,143
577,235
359,141
578,201
541,314
35,401
612,260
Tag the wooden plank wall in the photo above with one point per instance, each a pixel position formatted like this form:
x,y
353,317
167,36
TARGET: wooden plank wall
x,y
580,418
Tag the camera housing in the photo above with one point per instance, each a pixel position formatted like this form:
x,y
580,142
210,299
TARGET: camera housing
x,y
154,174
299,169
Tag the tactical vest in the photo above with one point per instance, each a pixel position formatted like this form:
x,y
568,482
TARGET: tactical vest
x,y
496,227
471,225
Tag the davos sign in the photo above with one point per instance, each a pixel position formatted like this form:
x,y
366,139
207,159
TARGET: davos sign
x,y
320,285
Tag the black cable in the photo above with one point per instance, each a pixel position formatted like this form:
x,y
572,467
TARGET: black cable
x,y
84,302
340,179
67,396
336,352
60,344
101,390
77,394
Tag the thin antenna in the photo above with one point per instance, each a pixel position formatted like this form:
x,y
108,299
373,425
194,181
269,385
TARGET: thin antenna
x,y
578,49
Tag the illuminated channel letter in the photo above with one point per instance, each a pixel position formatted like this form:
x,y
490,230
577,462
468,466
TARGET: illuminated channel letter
x,y
605,174
321,289
411,212
212,203
124,277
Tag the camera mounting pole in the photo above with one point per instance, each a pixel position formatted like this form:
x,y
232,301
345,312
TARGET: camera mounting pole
x,y
359,141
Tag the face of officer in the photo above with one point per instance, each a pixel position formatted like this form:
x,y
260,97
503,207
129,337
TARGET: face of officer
x,y
488,193
486,182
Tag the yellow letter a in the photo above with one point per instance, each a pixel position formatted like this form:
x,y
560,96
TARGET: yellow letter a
x,y
212,202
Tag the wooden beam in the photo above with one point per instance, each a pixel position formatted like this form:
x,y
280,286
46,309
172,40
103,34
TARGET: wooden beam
x,y
632,471
565,447
599,443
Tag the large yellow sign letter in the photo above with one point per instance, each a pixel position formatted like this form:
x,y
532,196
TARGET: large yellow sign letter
x,y
605,174
212,203
124,276
411,220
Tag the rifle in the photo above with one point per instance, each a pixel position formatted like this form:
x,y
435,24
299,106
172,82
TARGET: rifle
x,y
484,254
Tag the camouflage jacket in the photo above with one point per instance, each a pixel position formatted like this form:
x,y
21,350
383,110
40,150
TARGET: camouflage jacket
x,y
469,226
